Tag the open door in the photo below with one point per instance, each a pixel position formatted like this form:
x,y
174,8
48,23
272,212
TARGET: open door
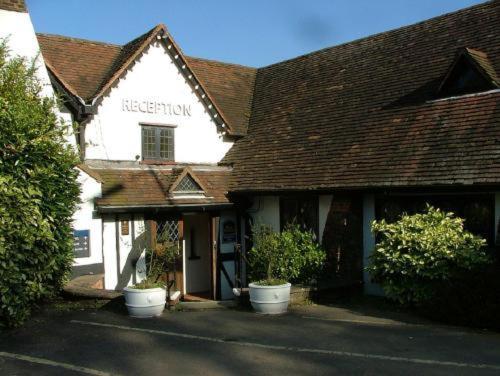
x,y
171,229
226,241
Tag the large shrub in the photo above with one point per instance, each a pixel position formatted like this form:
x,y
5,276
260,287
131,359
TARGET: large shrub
x,y
38,192
290,256
419,254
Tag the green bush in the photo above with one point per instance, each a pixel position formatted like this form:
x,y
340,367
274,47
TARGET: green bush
x,y
38,193
417,255
290,256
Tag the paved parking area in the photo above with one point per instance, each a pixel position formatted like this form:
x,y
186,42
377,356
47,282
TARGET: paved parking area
x,y
309,340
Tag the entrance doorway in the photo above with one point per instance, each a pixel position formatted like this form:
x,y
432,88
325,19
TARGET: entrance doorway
x,y
197,256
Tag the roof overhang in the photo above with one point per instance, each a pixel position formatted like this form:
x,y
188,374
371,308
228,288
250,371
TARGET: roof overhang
x,y
163,208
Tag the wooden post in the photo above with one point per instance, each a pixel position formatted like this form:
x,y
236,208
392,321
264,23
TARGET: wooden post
x,y
214,244
179,269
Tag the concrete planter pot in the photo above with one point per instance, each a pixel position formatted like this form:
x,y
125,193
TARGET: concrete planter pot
x,y
145,303
269,300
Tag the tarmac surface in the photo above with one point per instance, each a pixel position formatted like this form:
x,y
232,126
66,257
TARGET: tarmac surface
x,y
309,340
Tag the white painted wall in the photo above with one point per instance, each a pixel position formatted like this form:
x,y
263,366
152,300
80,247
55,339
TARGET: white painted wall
x,y
197,270
84,218
324,203
370,288
266,210
17,27
109,251
66,118
115,134
130,250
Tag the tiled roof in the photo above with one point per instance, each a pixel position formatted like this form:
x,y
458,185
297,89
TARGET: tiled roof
x,y
86,68
83,64
482,61
231,86
361,114
125,187
13,5
364,114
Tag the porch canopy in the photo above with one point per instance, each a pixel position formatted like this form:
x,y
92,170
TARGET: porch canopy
x,y
162,188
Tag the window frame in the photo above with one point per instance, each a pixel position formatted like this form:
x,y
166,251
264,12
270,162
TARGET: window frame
x,y
300,200
158,128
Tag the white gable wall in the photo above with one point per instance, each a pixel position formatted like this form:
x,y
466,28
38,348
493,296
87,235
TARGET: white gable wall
x,y
114,133
21,41
84,219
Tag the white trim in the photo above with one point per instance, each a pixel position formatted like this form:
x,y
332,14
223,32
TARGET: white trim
x,y
493,91
184,264
164,125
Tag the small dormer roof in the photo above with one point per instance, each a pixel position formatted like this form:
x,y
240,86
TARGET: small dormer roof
x,y
470,72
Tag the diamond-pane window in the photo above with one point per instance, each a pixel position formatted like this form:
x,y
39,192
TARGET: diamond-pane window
x,y
158,143
187,184
167,230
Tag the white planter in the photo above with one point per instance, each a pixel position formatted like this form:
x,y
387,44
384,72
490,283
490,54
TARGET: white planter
x,y
146,302
269,300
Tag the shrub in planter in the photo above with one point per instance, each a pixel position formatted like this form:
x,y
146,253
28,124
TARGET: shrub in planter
x,y
38,193
292,255
277,259
417,255
148,297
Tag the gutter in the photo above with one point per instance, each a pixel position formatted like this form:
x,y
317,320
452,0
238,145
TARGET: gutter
x,y
162,208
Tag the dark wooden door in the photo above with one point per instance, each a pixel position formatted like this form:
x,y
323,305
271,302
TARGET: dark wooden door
x,y
343,239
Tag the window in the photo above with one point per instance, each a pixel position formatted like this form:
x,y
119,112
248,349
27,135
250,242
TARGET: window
x,y
465,79
478,210
187,184
193,255
471,72
158,143
81,243
300,210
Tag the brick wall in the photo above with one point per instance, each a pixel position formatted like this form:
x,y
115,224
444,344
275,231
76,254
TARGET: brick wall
x,y
13,5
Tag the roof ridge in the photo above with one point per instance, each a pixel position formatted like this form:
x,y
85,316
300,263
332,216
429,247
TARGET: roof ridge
x,y
220,62
373,36
74,39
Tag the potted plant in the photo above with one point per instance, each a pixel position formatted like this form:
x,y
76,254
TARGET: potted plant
x,y
148,297
275,260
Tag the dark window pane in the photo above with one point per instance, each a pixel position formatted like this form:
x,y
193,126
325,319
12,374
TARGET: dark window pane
x,y
302,211
477,210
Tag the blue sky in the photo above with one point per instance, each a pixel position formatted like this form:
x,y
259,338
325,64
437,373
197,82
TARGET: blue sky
x,y
249,32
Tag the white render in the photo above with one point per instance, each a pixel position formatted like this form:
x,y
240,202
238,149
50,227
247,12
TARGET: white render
x,y
119,260
114,133
84,218
324,203
266,210
22,41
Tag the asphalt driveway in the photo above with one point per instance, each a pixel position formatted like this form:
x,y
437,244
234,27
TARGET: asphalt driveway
x,y
309,340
